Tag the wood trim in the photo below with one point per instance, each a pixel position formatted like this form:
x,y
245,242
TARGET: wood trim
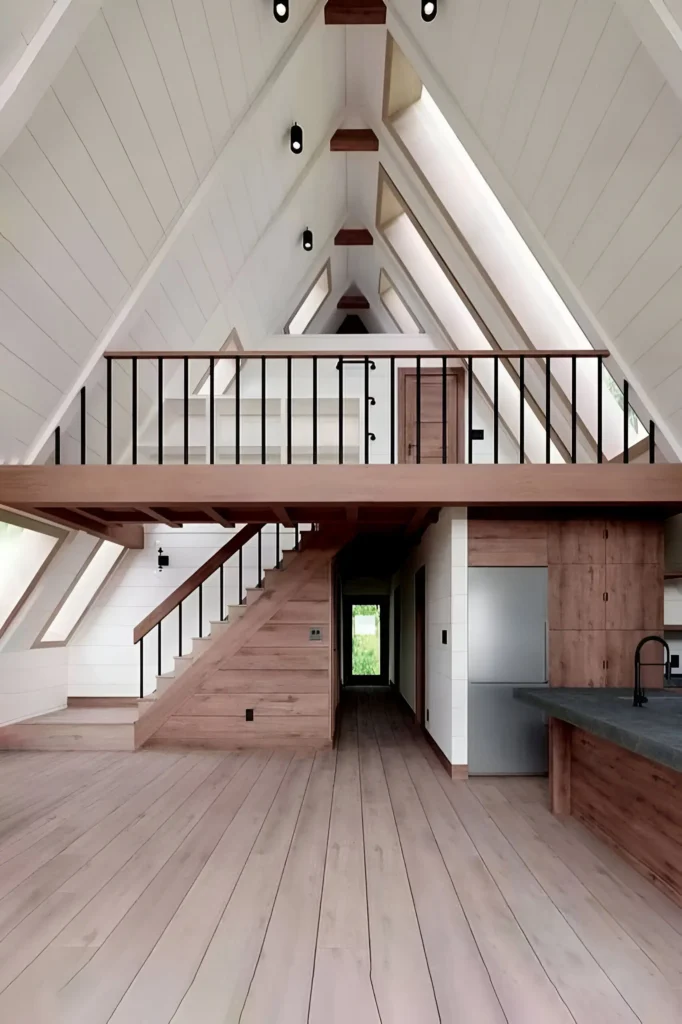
x,y
423,353
560,766
455,374
244,488
352,302
193,581
354,236
354,140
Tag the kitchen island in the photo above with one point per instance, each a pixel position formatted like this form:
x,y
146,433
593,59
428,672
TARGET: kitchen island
x,y
618,769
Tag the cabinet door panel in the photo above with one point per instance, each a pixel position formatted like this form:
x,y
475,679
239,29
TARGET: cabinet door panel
x,y
576,596
576,542
634,542
635,597
620,658
577,657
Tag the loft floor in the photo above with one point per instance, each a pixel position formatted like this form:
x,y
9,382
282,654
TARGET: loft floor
x,y
353,885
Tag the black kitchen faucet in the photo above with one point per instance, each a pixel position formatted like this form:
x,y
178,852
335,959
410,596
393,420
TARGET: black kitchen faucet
x,y
640,698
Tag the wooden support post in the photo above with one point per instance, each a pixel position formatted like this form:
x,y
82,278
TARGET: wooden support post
x,y
560,766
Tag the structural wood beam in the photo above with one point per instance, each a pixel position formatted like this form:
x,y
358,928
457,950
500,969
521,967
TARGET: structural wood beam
x,y
130,535
355,12
354,236
249,493
354,140
352,302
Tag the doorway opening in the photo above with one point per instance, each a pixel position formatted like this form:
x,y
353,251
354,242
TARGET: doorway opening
x,y
420,645
366,641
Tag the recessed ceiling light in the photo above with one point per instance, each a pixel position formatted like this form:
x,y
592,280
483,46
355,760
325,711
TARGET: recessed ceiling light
x,y
308,240
296,138
281,10
429,9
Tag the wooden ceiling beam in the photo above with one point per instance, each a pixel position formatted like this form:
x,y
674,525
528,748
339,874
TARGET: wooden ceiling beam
x,y
214,514
128,535
354,236
160,515
355,12
352,302
354,140
283,516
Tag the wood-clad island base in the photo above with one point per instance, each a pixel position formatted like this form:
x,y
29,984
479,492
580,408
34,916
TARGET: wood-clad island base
x,y
632,802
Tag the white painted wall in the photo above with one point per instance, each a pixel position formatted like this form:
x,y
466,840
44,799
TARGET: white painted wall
x,y
102,658
32,683
443,551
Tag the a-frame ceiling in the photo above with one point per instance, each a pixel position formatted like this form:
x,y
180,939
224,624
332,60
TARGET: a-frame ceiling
x,y
150,199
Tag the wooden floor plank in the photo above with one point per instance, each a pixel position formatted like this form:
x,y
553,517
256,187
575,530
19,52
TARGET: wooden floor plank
x,y
525,992
400,973
288,956
221,985
641,984
342,987
460,978
94,993
167,974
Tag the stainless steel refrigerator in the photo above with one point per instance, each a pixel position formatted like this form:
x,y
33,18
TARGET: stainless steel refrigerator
x,y
507,648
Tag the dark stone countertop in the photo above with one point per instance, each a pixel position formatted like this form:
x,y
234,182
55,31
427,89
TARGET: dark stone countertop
x,y
654,731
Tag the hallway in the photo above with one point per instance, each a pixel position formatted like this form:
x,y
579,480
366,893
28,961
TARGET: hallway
x,y
260,887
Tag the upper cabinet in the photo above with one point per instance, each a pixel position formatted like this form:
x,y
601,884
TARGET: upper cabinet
x,y
576,542
639,542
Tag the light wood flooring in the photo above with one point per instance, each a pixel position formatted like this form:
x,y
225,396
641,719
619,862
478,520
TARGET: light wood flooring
x,y
355,886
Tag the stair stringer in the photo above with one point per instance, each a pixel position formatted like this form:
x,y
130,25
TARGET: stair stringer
x,y
283,588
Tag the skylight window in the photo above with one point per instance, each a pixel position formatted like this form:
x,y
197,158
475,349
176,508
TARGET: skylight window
x,y
26,548
396,306
79,599
312,302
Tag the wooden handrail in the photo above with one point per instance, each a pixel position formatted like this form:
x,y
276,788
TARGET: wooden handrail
x,y
449,353
192,582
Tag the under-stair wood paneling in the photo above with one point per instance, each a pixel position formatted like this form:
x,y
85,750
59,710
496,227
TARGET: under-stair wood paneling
x,y
607,783
266,663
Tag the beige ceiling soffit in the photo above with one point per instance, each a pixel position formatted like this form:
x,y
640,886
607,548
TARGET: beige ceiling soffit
x,y
661,35
136,296
40,63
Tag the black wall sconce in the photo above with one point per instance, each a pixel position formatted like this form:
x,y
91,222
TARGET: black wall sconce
x,y
163,561
280,9
429,9
308,240
296,138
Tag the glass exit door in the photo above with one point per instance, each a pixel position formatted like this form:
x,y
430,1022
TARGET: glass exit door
x,y
365,641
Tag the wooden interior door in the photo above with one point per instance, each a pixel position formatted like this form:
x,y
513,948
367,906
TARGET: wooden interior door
x,y
420,645
430,440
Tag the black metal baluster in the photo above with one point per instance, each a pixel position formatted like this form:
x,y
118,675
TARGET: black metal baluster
x,y
160,413
444,413
237,413
522,409
496,410
57,446
180,630
574,409
289,412
134,413
314,410
84,448
222,592
263,423
201,610
159,659
366,411
652,441
626,421
241,576
110,425
391,425
211,402
600,436
260,557
340,369
470,409
185,409
548,395
141,667
419,410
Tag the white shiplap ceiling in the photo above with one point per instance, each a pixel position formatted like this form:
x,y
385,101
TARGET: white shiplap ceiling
x,y
151,200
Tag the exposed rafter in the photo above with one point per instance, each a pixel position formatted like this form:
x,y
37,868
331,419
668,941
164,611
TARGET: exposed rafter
x,y
355,12
354,236
354,140
352,302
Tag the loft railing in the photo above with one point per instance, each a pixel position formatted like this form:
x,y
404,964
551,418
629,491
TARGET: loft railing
x,y
372,407
215,568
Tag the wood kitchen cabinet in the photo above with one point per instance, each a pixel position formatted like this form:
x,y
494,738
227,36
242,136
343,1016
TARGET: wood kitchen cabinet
x,y
634,542
576,596
577,657
620,658
576,542
634,596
